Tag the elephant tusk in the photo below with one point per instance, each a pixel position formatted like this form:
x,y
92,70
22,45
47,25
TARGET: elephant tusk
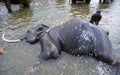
x,y
10,41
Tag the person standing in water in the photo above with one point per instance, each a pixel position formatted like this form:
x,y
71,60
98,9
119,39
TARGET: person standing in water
x,y
96,17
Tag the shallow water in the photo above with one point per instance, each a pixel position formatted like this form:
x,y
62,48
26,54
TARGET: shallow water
x,y
20,57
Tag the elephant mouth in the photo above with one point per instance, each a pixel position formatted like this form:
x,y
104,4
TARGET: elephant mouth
x,y
32,41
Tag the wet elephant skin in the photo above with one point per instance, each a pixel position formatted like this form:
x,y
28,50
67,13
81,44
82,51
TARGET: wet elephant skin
x,y
76,37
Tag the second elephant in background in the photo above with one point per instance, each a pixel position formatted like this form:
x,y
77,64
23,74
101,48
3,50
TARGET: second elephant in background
x,y
86,1
8,3
105,1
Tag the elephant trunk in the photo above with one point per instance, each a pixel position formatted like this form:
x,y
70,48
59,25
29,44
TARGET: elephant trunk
x,y
10,41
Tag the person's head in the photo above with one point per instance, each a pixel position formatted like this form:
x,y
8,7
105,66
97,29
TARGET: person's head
x,y
98,11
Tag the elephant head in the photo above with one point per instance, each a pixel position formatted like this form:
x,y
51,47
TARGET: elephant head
x,y
32,35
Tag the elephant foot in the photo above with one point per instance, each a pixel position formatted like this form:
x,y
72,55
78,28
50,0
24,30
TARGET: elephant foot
x,y
87,1
73,1
100,1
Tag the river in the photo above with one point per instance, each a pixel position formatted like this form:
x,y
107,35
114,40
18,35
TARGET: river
x,y
20,57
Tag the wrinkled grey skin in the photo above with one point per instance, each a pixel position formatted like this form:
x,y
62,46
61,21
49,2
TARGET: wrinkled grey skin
x,y
75,37
9,2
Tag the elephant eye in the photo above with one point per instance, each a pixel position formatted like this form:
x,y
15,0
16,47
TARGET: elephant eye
x,y
40,29
28,31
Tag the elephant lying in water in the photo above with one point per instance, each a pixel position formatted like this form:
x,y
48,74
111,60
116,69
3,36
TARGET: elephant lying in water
x,y
9,2
75,37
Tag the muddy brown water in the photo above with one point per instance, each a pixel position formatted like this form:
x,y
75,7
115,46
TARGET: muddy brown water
x,y
20,57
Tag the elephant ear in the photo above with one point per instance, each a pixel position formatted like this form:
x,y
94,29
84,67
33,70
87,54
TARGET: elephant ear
x,y
40,29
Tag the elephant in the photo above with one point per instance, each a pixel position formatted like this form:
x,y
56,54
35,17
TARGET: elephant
x,y
9,2
76,37
86,1
105,1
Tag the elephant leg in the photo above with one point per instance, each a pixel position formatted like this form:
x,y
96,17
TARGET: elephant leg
x,y
73,1
100,1
87,1
105,58
25,3
104,1
8,5
49,55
